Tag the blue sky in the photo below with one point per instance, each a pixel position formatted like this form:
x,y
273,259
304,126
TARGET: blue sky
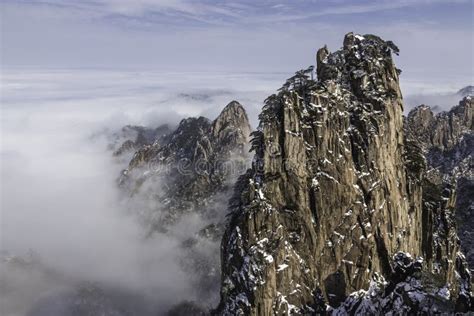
x,y
435,36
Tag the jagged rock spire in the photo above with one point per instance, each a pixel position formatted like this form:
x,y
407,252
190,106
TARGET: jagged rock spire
x,y
321,56
186,160
232,118
329,201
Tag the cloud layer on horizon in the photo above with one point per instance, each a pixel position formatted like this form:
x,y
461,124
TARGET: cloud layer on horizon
x,y
435,36
59,196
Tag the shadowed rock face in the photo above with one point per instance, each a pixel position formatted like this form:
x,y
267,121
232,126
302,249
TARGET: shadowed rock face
x,y
333,194
447,141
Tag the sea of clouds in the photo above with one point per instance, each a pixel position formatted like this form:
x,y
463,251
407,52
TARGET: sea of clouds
x,y
59,198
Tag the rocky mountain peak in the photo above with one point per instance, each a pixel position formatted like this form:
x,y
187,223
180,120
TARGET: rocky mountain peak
x,y
364,64
422,112
233,105
232,122
188,162
233,113
442,130
465,111
332,201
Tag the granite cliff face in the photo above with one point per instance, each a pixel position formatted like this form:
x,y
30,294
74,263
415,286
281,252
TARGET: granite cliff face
x,y
447,141
333,203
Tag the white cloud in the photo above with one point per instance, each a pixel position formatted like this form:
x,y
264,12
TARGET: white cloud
x,y
91,36
229,12
58,191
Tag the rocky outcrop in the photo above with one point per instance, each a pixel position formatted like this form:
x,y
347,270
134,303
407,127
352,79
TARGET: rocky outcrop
x,y
413,293
332,194
193,166
443,131
447,141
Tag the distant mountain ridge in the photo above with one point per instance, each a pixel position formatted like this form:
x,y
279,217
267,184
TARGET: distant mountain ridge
x,y
438,102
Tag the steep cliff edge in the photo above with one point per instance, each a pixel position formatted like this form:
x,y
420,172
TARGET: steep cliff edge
x,y
447,141
333,200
